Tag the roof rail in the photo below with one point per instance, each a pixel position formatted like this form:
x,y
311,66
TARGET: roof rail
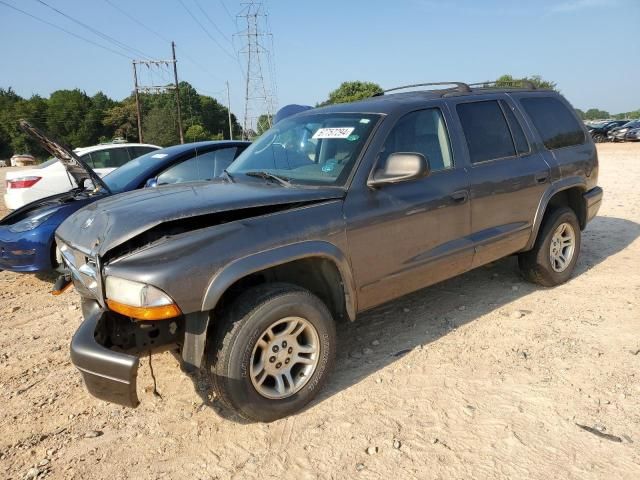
x,y
460,87
505,84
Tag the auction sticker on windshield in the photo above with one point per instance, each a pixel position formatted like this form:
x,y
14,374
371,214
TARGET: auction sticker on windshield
x,y
334,132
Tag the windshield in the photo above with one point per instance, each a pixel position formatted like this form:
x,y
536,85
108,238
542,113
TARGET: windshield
x,y
118,179
319,149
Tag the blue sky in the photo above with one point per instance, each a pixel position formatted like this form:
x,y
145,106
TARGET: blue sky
x,y
589,47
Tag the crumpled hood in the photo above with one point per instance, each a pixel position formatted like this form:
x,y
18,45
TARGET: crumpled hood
x,y
112,221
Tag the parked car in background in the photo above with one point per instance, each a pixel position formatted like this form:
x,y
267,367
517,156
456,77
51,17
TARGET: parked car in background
x,y
22,160
633,135
600,130
50,178
3,163
331,212
618,134
26,235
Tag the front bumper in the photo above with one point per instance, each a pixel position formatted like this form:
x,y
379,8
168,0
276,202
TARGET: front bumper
x,y
592,202
25,251
108,375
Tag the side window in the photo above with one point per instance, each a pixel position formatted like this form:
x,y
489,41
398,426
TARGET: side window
x,y
186,171
110,158
486,131
522,146
211,164
554,122
422,132
135,152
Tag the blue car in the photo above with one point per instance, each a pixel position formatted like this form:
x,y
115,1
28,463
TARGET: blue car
x,y
26,235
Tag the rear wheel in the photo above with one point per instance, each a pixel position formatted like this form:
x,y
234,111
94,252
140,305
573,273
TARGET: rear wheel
x,y
555,253
272,352
599,138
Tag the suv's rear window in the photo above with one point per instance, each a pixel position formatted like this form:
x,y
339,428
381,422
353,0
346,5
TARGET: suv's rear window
x,y
486,130
555,123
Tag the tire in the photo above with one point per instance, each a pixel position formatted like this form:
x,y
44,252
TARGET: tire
x,y
599,138
236,344
538,264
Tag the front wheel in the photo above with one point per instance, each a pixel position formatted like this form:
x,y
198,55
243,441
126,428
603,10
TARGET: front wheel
x,y
272,352
599,138
555,253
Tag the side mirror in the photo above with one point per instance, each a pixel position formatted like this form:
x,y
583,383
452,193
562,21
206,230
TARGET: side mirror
x,y
151,183
400,167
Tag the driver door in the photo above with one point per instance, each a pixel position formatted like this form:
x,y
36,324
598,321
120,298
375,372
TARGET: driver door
x,y
405,236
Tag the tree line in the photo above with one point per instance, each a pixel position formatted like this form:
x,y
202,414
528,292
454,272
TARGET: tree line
x,y
78,120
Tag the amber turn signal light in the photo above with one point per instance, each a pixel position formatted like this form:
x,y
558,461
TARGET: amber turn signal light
x,y
162,312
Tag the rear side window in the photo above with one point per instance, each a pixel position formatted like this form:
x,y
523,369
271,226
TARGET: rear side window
x,y
522,146
486,131
135,152
110,158
554,122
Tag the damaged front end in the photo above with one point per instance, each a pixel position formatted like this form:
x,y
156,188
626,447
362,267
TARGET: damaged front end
x,y
107,346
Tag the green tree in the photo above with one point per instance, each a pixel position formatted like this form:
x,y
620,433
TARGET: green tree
x,y
506,81
596,114
196,133
159,126
122,119
352,91
264,123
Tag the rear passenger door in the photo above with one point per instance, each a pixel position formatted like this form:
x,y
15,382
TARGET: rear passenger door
x,y
508,177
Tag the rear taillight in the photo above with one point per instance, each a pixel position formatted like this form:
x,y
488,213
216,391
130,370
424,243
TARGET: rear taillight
x,y
22,182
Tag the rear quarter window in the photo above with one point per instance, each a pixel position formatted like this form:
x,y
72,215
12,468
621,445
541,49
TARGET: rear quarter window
x,y
555,124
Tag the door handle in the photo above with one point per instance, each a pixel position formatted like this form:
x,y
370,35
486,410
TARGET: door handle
x,y
460,197
542,177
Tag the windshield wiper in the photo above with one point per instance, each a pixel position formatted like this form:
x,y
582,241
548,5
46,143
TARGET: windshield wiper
x,y
269,176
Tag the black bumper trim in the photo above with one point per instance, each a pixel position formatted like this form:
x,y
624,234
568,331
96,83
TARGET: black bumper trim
x,y
108,375
592,201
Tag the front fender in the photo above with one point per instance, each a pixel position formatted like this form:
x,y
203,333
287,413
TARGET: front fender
x,y
196,325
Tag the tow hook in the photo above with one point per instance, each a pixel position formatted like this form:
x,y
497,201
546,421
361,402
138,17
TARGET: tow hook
x,y
62,284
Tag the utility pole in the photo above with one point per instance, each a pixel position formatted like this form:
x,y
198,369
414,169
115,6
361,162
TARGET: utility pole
x,y
139,116
229,112
175,76
158,64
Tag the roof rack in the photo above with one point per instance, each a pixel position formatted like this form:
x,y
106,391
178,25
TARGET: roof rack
x,y
505,84
460,87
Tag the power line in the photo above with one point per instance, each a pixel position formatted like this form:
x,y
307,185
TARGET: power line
x,y
109,38
195,19
65,30
213,23
161,37
227,10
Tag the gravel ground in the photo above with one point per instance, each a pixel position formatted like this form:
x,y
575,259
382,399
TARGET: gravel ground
x,y
482,376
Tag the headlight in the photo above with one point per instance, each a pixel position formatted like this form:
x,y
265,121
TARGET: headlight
x,y
31,222
139,300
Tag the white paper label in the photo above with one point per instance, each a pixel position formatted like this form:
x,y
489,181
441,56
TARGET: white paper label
x,y
159,155
333,132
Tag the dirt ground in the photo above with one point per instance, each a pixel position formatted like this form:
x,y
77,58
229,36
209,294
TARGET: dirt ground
x,y
482,376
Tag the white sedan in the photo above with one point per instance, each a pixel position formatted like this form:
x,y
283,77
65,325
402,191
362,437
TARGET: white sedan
x,y
51,178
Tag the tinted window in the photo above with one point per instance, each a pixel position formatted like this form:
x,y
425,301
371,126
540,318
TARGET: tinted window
x,y
421,132
109,158
205,166
137,151
486,130
188,171
522,146
555,123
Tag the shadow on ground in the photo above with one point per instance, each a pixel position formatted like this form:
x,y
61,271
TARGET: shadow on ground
x,y
425,316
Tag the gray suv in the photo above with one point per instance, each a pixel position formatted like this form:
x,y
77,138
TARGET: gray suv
x,y
329,213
